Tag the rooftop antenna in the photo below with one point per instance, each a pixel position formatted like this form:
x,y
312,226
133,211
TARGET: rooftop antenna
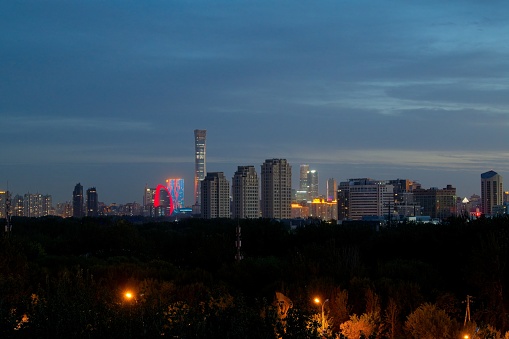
x,y
8,226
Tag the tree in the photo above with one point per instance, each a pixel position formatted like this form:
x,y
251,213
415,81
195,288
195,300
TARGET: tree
x,y
429,322
365,326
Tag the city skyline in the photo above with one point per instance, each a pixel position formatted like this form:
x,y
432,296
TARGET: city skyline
x,y
108,94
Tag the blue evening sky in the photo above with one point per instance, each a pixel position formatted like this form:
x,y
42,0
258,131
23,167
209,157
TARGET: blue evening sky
x,y
108,93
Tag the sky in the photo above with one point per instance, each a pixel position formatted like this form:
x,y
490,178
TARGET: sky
x,y
108,93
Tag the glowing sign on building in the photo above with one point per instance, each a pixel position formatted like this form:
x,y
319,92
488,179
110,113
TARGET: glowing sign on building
x,y
157,199
176,189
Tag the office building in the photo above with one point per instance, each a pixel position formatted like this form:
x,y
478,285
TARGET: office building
x,y
436,203
276,189
492,189
312,185
303,178
78,210
245,192
215,196
200,167
92,202
332,190
369,198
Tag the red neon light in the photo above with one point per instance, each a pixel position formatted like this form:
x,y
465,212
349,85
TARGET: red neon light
x,y
157,199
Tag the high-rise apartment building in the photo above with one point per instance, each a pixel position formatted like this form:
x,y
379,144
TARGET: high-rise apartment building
x,y
4,197
33,205
215,196
148,201
17,206
343,203
77,202
245,192
92,202
492,191
276,197
199,163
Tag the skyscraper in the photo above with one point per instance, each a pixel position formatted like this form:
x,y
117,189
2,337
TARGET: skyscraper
x,y
77,201
92,202
4,196
312,184
332,190
276,176
492,191
303,178
200,167
245,191
215,196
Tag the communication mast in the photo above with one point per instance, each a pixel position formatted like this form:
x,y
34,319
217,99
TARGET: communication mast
x,y
8,226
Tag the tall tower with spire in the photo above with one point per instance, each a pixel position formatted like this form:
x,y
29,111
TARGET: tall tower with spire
x,y
200,169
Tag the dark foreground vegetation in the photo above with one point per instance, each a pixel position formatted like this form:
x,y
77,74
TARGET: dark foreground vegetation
x,y
66,278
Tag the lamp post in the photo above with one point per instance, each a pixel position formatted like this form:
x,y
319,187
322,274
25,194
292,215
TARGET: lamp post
x,y
317,300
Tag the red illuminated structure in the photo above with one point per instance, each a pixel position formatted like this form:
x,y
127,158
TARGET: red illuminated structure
x,y
157,198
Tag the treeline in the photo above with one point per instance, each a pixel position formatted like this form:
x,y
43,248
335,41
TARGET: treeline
x,y
67,277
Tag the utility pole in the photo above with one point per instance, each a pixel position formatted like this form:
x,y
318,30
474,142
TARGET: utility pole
x,y
467,312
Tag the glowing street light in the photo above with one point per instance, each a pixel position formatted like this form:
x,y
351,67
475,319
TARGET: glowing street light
x,y
317,300
128,295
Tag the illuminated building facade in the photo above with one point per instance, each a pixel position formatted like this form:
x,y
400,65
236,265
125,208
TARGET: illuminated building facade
x,y
200,167
163,202
77,202
245,193
276,189
176,189
323,209
92,202
492,191
215,196
299,211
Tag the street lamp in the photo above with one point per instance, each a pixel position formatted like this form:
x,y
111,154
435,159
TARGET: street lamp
x,y
128,295
317,300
